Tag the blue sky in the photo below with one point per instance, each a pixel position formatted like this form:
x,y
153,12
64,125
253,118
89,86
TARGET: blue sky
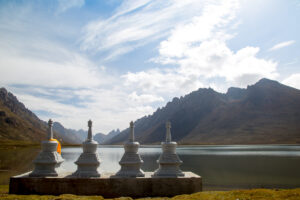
x,y
115,61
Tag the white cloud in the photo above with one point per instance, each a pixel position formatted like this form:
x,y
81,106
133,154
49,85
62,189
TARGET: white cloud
x,y
136,23
198,47
203,27
145,98
49,76
58,79
244,68
108,109
293,81
31,52
64,5
294,61
129,6
281,45
166,83
73,70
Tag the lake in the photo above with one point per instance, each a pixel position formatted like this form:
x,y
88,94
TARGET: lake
x,y
222,167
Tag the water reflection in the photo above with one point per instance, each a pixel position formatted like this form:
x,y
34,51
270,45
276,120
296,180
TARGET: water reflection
x,y
15,161
110,158
222,167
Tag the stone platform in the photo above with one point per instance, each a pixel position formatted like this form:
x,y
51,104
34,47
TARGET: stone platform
x,y
107,186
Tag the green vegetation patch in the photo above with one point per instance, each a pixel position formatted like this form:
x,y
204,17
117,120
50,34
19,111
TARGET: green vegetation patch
x,y
12,144
3,189
254,194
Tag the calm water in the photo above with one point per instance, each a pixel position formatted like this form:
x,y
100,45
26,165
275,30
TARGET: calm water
x,y
221,167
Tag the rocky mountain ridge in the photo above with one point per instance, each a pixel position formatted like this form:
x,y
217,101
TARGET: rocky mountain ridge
x,y
264,113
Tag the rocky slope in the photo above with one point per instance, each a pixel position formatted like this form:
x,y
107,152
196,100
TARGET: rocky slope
x,y
102,138
17,123
265,113
99,137
73,136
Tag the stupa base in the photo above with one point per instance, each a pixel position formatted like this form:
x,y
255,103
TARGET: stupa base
x,y
130,174
168,173
106,186
86,174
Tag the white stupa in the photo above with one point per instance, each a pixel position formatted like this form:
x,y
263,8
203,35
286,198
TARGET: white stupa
x,y
49,160
88,162
131,161
168,161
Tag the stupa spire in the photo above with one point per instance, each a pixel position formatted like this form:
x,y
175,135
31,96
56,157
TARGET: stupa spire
x,y
131,135
50,131
90,135
168,131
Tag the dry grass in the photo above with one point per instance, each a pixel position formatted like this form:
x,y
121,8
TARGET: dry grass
x,y
255,194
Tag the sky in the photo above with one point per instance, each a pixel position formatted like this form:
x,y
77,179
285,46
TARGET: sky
x,y
115,61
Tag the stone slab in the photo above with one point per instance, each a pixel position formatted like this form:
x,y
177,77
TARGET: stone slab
x,y
107,186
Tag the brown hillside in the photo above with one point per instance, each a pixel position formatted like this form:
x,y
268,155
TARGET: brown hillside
x,y
17,123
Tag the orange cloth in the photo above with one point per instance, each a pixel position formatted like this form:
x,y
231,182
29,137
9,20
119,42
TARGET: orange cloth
x,y
58,145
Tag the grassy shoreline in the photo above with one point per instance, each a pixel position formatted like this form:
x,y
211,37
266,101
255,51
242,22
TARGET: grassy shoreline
x,y
10,144
253,194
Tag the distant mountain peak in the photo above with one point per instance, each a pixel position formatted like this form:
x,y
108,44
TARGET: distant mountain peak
x,y
206,90
102,138
4,95
3,90
266,82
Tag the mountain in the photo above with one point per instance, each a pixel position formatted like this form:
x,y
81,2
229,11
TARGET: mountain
x,y
99,137
17,123
112,134
265,113
102,138
74,136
